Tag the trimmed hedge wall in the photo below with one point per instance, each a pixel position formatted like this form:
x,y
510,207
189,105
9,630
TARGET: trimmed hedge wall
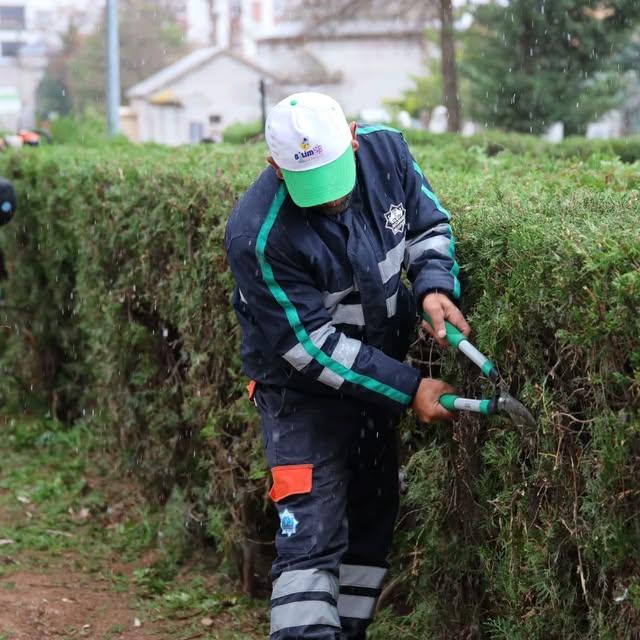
x,y
493,141
118,315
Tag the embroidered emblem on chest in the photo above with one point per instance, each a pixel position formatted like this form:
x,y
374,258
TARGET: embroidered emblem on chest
x,y
395,218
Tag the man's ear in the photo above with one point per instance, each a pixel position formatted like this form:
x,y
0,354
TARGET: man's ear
x,y
273,163
354,143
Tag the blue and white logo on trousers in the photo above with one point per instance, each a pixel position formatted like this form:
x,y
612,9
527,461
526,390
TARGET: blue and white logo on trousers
x,y
288,523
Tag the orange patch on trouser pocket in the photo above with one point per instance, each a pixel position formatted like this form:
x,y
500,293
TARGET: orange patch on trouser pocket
x,y
291,479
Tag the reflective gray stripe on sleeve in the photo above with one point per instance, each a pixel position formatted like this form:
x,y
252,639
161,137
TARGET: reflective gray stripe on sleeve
x,y
348,314
298,357
304,613
345,352
354,575
392,305
305,580
331,299
392,264
440,244
330,378
242,298
439,229
356,606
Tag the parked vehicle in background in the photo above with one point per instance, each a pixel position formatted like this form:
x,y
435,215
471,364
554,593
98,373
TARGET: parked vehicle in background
x,y
25,137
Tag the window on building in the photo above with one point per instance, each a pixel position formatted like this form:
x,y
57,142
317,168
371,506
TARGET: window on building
x,y
196,131
11,49
215,119
12,17
280,9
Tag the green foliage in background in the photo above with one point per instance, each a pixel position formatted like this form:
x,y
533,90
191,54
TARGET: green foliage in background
x,y
115,262
426,92
53,95
240,133
87,130
533,63
493,142
424,95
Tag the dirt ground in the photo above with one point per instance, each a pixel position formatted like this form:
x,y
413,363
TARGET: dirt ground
x,y
64,604
82,556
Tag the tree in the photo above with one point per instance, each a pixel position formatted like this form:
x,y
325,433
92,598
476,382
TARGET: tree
x,y
150,39
449,70
54,94
321,12
535,62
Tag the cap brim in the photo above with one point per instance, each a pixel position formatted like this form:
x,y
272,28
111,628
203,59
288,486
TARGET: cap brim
x,y
324,184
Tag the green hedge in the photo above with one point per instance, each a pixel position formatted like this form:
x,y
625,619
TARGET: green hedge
x,y
492,142
240,133
120,317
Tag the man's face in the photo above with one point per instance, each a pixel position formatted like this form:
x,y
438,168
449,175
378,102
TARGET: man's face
x,y
333,208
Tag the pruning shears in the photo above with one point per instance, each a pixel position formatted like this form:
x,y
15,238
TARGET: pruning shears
x,y
500,401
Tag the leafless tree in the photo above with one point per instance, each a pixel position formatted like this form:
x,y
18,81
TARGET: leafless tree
x,y
214,16
449,68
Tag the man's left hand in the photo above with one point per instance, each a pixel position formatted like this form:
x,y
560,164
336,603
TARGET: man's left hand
x,y
440,308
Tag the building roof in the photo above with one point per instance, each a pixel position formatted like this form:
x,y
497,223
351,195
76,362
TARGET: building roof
x,y
347,30
186,65
300,66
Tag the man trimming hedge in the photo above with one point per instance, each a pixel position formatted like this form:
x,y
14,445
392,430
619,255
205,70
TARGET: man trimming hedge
x,y
317,246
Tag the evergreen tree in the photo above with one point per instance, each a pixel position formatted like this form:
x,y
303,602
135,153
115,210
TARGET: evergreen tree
x,y
535,62
53,94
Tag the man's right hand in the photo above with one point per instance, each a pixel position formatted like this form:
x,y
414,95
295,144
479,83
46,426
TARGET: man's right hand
x,y
426,403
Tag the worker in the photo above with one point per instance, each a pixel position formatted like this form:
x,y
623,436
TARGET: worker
x,y
317,246
8,201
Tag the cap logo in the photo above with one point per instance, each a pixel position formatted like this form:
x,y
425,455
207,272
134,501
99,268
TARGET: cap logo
x,y
307,152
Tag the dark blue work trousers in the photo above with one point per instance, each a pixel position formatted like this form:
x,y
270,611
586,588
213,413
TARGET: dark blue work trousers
x,y
335,469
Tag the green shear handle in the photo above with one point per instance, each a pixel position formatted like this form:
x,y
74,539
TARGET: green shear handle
x,y
455,403
501,402
458,340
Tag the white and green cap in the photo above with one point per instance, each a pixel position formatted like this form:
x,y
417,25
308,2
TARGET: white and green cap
x,y
310,140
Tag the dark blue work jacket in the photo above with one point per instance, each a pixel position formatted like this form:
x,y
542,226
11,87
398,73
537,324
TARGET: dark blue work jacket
x,y
319,298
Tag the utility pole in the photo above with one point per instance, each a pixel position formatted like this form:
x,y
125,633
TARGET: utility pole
x,y
263,102
113,68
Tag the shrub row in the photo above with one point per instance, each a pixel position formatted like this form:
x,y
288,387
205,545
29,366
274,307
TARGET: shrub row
x,y
493,142
490,142
117,314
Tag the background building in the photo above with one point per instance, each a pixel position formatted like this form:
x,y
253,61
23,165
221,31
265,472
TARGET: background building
x,y
29,32
198,97
214,87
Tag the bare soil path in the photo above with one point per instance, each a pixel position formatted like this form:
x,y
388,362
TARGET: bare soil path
x,y
83,556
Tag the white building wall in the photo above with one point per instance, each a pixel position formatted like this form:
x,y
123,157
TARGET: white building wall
x,y
371,69
199,22
224,88
25,79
